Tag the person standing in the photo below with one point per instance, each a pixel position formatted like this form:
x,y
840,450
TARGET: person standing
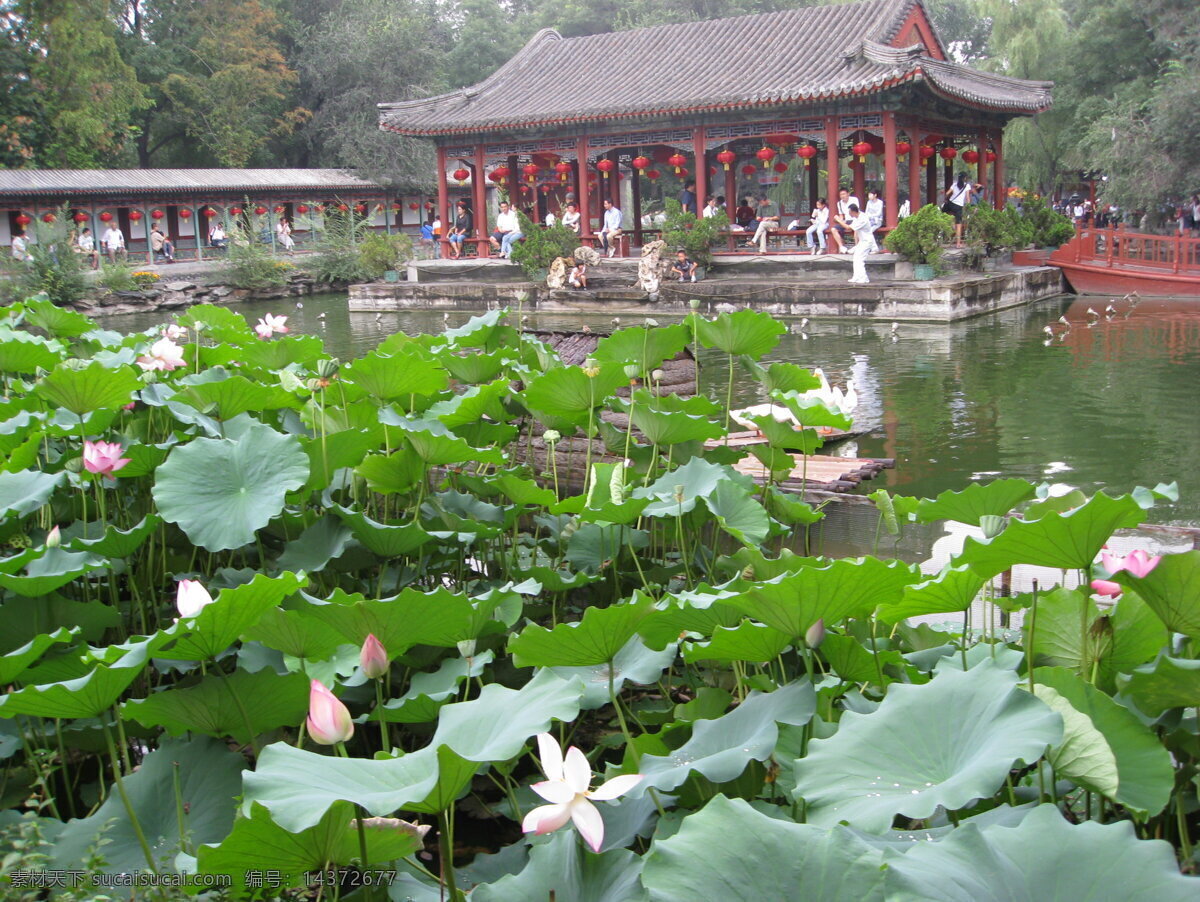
x,y
958,196
114,242
874,214
20,248
687,197
818,226
768,219
863,241
462,228
610,230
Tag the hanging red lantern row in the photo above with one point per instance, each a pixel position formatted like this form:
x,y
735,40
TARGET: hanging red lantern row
x,y
784,141
236,211
640,163
531,171
260,210
806,152
185,213
22,219
525,189
860,150
545,189
748,170
360,209
412,205
990,156
48,217
927,152
563,168
157,214
971,156
606,166
903,149
653,174
781,167
677,160
135,215
948,153
279,209
461,175
499,175
104,217
300,208
726,158
208,212
766,154
80,217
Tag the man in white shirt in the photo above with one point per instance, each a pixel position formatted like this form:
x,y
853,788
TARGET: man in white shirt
x,y
863,242
610,229
114,242
768,221
820,223
506,224
845,201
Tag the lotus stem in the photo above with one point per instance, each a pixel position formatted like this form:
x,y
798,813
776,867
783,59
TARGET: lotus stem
x,y
133,818
368,889
179,814
446,848
385,740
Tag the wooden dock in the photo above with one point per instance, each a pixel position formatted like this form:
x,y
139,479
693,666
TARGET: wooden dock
x,y
820,472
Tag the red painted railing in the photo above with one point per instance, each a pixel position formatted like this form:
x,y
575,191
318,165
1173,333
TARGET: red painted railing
x,y
1118,247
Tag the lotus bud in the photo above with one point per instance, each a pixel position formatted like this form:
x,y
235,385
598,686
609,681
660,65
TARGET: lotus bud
x,y
815,634
466,648
53,538
551,436
373,658
651,322
657,375
328,719
748,572
694,303
632,370
679,493
191,597
616,485
1106,587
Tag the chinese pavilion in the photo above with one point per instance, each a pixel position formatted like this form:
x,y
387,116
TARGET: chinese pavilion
x,y
799,102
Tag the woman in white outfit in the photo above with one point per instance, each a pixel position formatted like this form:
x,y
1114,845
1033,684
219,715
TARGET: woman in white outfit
x,y
860,225
283,235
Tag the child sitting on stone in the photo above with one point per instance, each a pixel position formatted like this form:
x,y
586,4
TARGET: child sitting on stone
x,y
683,267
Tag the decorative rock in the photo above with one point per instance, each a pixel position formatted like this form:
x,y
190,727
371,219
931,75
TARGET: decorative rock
x,y
180,286
221,291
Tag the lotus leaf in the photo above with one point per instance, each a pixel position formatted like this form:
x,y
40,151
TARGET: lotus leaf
x,y
747,332
89,388
594,639
976,501
563,870
1172,591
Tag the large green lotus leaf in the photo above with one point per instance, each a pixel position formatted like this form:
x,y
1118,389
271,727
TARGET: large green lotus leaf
x,y
242,705
598,507
645,347
593,547
258,844
386,540
221,492
334,451
786,437
1059,639
812,411
947,742
313,549
295,634
846,588
428,692
1172,590
116,543
441,618
85,696
392,474
208,775
232,613
564,871
694,614
472,369
738,514
784,377
635,663
850,660
477,403
89,388
408,370
494,725
26,618
950,591
235,395
1165,684
13,664
745,332
25,491
273,356
218,323
58,322
699,479
438,450
523,491
1142,765
748,641
1025,864
53,568
22,456
21,352
720,749
1067,541
17,430
594,639
671,427
1083,756
570,393
977,500
729,851
479,330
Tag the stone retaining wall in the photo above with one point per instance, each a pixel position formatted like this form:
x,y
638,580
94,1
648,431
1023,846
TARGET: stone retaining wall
x,y
184,292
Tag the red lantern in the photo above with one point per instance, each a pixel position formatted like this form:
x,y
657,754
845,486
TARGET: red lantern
x,y
766,154
652,174
524,189
342,208
48,217
677,160
185,213
462,175
499,174
545,189
80,217
948,153
260,210
300,208
237,211
684,172
927,152
208,212
971,156
360,209
781,167
531,171
712,171
563,168
279,208
159,214
903,148
781,140
725,158
860,150
23,220
990,156
412,205
104,217
135,215
320,208
379,208
639,163
806,152
606,166
748,170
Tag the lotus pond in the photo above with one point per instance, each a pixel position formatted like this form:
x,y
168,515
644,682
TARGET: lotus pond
x,y
279,625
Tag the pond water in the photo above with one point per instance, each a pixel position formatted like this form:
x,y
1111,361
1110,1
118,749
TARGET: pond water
x,y
1108,404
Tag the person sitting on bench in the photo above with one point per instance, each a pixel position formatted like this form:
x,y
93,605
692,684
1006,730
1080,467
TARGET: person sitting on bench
x,y
610,231
216,236
683,267
768,219
820,222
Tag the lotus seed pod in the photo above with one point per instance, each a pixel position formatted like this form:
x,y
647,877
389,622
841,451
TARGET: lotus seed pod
x,y
632,370
694,303
651,322
816,634
328,368
466,648
551,436
657,375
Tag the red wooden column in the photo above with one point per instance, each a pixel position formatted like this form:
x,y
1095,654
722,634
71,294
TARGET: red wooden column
x,y
982,151
701,156
443,200
1001,195
891,172
731,200
635,193
614,180
479,190
831,163
914,170
814,186
931,177
581,186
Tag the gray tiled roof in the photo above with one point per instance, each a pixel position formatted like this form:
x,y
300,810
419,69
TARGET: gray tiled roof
x,y
75,182
796,56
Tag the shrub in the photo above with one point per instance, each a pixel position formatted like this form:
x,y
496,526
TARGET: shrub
x,y
693,234
251,265
542,246
54,268
337,258
989,230
919,238
380,253
1047,228
116,277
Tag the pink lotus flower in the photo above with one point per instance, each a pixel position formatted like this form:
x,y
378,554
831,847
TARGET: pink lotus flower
x,y
263,331
1138,563
191,597
328,719
53,538
566,787
173,331
103,458
270,324
373,658
164,355
1107,588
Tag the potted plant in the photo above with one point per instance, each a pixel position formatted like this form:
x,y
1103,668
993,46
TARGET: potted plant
x,y
991,232
1048,229
541,246
692,234
919,239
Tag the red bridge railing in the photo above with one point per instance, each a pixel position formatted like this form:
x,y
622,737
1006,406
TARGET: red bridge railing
x,y
1119,247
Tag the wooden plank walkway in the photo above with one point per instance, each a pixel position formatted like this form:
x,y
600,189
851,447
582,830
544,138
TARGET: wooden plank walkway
x,y
752,437
820,472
